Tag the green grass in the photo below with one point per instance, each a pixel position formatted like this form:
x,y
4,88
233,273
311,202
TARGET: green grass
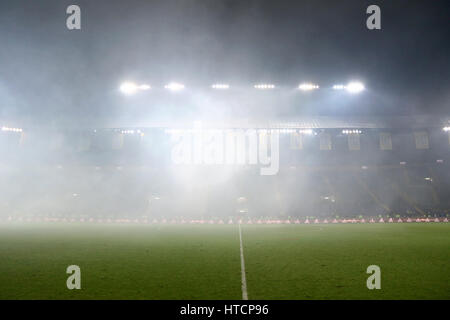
x,y
203,262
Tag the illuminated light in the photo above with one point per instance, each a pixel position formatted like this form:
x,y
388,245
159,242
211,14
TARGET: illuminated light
x,y
429,179
440,161
174,86
127,131
338,87
144,87
403,163
351,131
7,129
446,129
355,87
129,88
220,86
364,167
264,86
308,86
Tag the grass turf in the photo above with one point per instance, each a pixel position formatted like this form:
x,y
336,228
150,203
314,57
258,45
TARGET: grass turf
x,y
203,262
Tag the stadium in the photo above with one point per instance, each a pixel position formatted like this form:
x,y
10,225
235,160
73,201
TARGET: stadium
x,y
198,189
342,188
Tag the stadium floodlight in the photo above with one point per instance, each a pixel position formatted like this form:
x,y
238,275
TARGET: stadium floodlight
x,y
7,129
354,87
220,86
264,86
130,88
351,131
308,86
174,86
338,87
446,129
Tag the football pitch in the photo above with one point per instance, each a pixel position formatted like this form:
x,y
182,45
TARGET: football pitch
x,y
131,261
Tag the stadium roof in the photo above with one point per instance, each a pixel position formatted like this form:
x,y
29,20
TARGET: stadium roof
x,y
317,122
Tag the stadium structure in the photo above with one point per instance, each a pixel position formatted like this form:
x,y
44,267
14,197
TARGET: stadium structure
x,y
224,150
329,168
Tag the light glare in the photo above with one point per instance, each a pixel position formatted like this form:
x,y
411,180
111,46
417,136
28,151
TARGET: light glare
x,y
355,87
7,129
308,86
338,87
174,86
351,131
264,86
220,86
128,88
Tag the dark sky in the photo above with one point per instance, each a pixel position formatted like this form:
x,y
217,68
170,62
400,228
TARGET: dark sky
x,y
55,77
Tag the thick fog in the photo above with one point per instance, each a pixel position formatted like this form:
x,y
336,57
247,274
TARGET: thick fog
x,y
109,174
73,158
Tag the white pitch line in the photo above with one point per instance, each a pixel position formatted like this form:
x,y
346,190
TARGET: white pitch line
x,y
243,280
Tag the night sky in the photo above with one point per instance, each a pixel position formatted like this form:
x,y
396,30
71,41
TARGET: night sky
x,y
50,76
